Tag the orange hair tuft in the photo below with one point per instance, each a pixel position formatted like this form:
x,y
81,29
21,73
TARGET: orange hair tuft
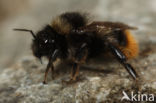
x,y
131,50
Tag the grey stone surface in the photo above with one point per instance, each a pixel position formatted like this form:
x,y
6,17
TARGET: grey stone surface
x,y
99,82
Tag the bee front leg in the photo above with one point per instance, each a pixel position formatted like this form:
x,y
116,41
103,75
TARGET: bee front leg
x,y
123,60
50,65
52,72
46,72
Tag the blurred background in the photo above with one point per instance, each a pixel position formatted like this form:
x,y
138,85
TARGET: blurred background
x,y
34,14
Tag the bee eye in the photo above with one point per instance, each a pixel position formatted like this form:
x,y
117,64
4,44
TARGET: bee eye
x,y
53,41
45,41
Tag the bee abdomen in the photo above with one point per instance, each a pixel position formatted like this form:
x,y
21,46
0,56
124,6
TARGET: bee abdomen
x,y
131,49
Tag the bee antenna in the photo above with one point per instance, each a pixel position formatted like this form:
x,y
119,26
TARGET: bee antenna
x,y
26,31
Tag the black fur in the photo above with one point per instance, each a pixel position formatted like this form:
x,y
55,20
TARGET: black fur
x,y
95,44
121,37
55,41
75,19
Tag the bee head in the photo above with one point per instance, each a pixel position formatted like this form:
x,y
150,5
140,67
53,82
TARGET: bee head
x,y
44,42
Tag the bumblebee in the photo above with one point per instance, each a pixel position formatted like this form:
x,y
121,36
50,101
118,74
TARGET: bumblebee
x,y
71,36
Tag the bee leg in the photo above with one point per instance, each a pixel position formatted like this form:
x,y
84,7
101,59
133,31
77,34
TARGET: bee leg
x,y
52,72
46,72
80,57
75,72
50,65
123,60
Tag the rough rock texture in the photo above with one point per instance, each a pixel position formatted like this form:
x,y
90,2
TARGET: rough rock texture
x,y
102,83
99,82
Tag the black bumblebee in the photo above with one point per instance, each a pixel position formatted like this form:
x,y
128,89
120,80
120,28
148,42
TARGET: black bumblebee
x,y
71,36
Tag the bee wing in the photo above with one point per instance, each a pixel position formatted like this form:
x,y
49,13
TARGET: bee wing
x,y
113,25
106,27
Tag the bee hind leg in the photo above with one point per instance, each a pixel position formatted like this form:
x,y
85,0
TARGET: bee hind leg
x,y
123,60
